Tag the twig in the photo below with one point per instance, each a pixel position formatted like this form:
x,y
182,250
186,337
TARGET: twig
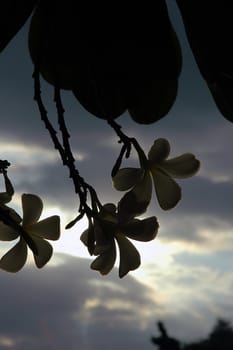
x,y
44,115
127,144
64,149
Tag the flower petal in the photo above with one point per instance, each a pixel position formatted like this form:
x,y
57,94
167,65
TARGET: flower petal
x,y
103,239
84,237
108,213
110,208
129,256
15,258
126,178
142,230
5,197
32,208
7,233
8,184
88,238
48,228
181,167
159,151
45,252
104,262
136,201
167,190
14,216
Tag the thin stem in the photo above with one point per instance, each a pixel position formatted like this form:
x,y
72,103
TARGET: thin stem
x,y
127,142
4,164
62,124
118,162
44,115
64,149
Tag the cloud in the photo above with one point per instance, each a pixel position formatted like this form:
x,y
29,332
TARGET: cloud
x,y
196,290
203,218
66,304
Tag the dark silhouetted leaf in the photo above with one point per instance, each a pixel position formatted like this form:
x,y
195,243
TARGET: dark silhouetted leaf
x,y
209,29
13,15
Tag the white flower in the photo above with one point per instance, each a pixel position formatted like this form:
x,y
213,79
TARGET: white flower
x,y
103,234
159,170
38,231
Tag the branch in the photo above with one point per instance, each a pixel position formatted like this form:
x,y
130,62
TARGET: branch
x,y
127,146
64,149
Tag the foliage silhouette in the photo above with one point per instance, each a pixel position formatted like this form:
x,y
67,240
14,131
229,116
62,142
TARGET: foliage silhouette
x,y
111,68
165,342
220,338
112,65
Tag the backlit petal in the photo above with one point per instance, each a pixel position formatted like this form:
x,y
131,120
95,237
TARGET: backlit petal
x,y
126,178
15,258
5,197
167,190
84,237
129,256
159,151
14,216
8,184
102,239
136,201
108,213
32,208
7,233
104,262
45,252
181,167
48,228
110,208
88,238
142,230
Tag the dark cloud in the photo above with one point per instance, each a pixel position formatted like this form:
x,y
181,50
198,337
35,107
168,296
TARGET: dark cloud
x,y
205,205
206,197
68,305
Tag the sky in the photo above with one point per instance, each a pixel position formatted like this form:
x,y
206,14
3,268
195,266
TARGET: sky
x,y
185,278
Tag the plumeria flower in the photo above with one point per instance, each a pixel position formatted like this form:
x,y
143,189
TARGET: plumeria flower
x,y
157,170
107,230
38,231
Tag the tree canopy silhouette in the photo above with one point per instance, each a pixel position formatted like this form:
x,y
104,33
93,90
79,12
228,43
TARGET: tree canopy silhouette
x,y
221,337
165,342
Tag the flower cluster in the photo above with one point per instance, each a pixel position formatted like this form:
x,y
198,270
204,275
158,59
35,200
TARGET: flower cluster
x,y
155,170
107,229
110,227
12,227
113,225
